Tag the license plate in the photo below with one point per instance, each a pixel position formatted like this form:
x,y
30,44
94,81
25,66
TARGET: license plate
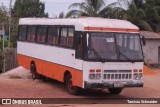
x,y
118,85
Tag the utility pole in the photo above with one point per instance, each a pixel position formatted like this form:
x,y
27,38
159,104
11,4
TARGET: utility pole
x,y
10,19
3,33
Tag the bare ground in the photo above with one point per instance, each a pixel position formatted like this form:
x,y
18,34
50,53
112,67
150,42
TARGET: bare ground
x,y
17,83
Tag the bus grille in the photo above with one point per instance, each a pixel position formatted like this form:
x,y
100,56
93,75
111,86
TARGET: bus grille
x,y
117,75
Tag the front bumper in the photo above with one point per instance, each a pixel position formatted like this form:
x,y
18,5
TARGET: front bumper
x,y
111,84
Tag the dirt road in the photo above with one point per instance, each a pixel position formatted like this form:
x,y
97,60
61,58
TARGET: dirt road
x,y
19,87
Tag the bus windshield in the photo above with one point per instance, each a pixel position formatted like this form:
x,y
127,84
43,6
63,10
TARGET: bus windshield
x,y
114,47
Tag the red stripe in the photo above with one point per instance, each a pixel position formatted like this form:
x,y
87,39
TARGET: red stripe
x,y
111,29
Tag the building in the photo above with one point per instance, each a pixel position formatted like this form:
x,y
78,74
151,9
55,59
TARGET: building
x,y
152,48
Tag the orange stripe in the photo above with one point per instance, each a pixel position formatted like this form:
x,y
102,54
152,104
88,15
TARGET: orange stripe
x,y
52,70
111,29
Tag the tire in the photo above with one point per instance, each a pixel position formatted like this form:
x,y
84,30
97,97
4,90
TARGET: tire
x,y
35,75
115,90
73,90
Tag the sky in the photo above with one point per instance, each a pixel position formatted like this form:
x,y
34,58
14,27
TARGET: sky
x,y
54,7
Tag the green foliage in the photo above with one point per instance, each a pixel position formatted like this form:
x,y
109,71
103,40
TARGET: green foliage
x,y
25,8
61,15
152,9
6,44
4,17
143,13
93,8
14,25
29,8
14,31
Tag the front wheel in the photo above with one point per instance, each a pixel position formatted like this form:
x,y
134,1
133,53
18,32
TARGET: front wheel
x,y
35,75
73,90
115,90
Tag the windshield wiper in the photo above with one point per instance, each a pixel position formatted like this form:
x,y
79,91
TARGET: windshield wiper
x,y
95,52
126,57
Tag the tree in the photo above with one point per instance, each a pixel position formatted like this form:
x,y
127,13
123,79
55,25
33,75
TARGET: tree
x,y
25,8
6,44
136,14
4,18
93,8
143,13
152,9
29,8
61,15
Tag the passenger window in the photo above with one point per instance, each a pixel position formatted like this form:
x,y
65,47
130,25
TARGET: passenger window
x,y
41,34
53,35
63,37
31,33
22,32
70,37
67,35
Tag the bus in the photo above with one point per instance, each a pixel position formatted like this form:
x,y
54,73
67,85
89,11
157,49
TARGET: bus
x,y
84,53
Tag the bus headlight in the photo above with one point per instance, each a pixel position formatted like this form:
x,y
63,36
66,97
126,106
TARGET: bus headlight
x,y
95,76
98,76
91,76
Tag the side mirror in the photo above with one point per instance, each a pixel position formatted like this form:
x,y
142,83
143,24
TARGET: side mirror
x,y
143,40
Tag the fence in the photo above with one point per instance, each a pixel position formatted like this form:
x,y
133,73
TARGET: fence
x,y
9,58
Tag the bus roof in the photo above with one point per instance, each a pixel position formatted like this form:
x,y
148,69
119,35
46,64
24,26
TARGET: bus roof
x,y
85,24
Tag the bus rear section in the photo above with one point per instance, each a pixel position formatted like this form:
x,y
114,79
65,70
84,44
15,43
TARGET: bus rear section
x,y
101,55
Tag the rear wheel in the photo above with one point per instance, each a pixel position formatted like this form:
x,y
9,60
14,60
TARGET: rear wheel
x,y
73,90
115,90
35,75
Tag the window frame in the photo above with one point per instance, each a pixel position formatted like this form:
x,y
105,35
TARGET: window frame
x,y
52,26
19,32
67,26
46,35
46,39
35,33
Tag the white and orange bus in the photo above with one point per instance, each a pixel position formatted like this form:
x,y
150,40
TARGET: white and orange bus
x,y
82,52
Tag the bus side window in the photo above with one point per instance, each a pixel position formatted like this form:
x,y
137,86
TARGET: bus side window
x,y
41,34
31,34
79,46
53,35
67,35
70,37
22,32
63,41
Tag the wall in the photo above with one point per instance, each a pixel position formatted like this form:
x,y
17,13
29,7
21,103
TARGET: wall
x,y
10,58
151,51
